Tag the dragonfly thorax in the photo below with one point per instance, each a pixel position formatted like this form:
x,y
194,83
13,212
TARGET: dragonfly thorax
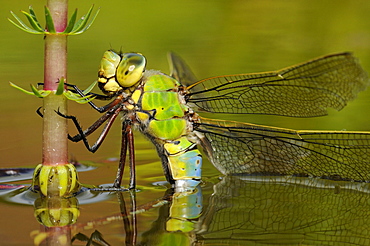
x,y
156,107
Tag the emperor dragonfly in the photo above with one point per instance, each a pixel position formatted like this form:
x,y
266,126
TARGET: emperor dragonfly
x,y
162,108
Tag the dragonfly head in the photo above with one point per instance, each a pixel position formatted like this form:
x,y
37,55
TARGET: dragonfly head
x,y
120,71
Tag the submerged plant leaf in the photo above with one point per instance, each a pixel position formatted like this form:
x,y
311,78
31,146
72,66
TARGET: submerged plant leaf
x,y
74,96
90,23
21,25
68,94
60,88
73,27
34,92
37,92
82,21
33,20
77,98
71,22
89,89
49,21
33,14
21,89
82,24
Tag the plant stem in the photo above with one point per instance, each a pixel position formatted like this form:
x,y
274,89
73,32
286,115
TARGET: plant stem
x,y
55,148
59,12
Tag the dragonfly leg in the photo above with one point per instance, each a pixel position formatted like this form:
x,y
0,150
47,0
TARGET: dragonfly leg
x,y
127,143
122,159
82,94
131,150
110,116
95,95
39,112
102,109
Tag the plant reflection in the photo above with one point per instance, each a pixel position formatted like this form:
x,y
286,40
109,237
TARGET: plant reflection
x,y
56,211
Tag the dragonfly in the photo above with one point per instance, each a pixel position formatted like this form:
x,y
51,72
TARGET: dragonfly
x,y
166,109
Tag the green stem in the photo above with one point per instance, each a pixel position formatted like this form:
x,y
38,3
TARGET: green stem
x,y
59,12
55,151
55,177
55,145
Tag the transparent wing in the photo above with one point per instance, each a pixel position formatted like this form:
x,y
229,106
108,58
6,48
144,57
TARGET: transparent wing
x,y
180,70
304,90
241,148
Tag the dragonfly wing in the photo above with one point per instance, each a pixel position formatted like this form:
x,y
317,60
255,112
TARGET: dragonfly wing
x,y
304,90
180,70
241,148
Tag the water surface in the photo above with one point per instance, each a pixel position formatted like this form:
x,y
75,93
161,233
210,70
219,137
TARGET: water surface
x,y
215,38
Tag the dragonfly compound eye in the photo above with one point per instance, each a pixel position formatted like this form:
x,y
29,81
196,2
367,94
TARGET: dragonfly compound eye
x,y
130,70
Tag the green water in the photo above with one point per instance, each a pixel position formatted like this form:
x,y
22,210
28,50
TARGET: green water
x,y
215,38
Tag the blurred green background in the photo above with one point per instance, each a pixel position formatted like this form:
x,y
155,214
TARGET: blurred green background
x,y
215,38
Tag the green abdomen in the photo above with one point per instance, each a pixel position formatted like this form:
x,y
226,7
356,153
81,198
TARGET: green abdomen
x,y
162,118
